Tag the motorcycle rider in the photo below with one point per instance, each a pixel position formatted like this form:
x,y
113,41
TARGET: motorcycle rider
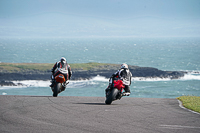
x,y
62,68
123,74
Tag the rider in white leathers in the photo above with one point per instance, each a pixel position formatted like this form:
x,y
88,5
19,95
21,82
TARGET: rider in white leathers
x,y
123,74
61,67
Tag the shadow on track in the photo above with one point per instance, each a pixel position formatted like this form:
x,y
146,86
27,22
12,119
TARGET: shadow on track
x,y
92,103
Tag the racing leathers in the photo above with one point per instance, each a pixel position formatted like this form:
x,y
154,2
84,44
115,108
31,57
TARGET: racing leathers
x,y
61,68
123,74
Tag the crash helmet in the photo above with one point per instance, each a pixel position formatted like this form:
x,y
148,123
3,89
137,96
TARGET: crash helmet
x,y
124,66
63,60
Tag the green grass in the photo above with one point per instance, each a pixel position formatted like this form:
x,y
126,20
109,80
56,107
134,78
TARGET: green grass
x,y
191,102
91,65
11,67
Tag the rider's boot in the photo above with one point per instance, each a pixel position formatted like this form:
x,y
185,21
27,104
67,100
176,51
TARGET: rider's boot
x,y
126,93
64,85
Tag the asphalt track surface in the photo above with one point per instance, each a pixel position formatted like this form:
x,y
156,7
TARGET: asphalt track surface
x,y
43,114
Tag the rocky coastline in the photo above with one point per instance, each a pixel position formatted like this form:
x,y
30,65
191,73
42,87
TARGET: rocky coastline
x,y
6,77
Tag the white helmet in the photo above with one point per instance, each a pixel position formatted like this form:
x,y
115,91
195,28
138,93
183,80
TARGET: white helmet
x,y
63,60
125,66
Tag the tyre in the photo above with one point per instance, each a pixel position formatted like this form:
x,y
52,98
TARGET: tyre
x,y
112,96
56,89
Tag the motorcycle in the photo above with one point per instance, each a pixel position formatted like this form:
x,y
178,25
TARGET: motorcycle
x,y
116,92
59,85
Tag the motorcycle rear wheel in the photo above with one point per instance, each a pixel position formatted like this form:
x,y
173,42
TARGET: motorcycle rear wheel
x,y
112,96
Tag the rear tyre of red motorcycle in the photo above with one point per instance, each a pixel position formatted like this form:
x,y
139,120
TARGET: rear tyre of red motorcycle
x,y
112,96
55,91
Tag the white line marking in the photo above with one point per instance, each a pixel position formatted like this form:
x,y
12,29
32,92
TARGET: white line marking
x,y
109,110
181,105
177,126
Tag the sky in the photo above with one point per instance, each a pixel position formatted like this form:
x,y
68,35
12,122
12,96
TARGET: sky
x,y
99,18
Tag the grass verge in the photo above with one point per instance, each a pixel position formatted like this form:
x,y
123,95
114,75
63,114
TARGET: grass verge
x,y
191,102
11,67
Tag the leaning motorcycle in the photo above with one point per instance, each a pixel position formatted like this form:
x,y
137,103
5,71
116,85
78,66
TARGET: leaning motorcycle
x,y
115,93
59,85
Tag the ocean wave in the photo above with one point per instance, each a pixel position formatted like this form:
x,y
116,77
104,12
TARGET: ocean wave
x,y
193,75
193,71
10,87
32,83
150,79
72,84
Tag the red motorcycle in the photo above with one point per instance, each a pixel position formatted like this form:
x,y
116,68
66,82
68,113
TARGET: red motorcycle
x,y
116,92
59,85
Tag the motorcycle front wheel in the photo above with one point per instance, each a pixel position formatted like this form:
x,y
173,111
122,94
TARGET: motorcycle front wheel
x,y
112,96
56,89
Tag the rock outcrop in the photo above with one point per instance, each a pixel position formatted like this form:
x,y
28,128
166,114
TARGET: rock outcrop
x,y
106,71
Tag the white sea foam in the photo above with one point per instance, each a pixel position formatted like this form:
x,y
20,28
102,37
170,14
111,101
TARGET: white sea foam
x,y
10,87
82,83
100,78
191,76
193,72
194,75
150,79
41,83
33,83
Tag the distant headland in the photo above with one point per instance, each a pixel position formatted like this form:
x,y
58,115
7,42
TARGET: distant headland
x,y
42,71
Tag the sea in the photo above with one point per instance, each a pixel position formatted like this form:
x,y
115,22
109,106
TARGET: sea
x,y
163,53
